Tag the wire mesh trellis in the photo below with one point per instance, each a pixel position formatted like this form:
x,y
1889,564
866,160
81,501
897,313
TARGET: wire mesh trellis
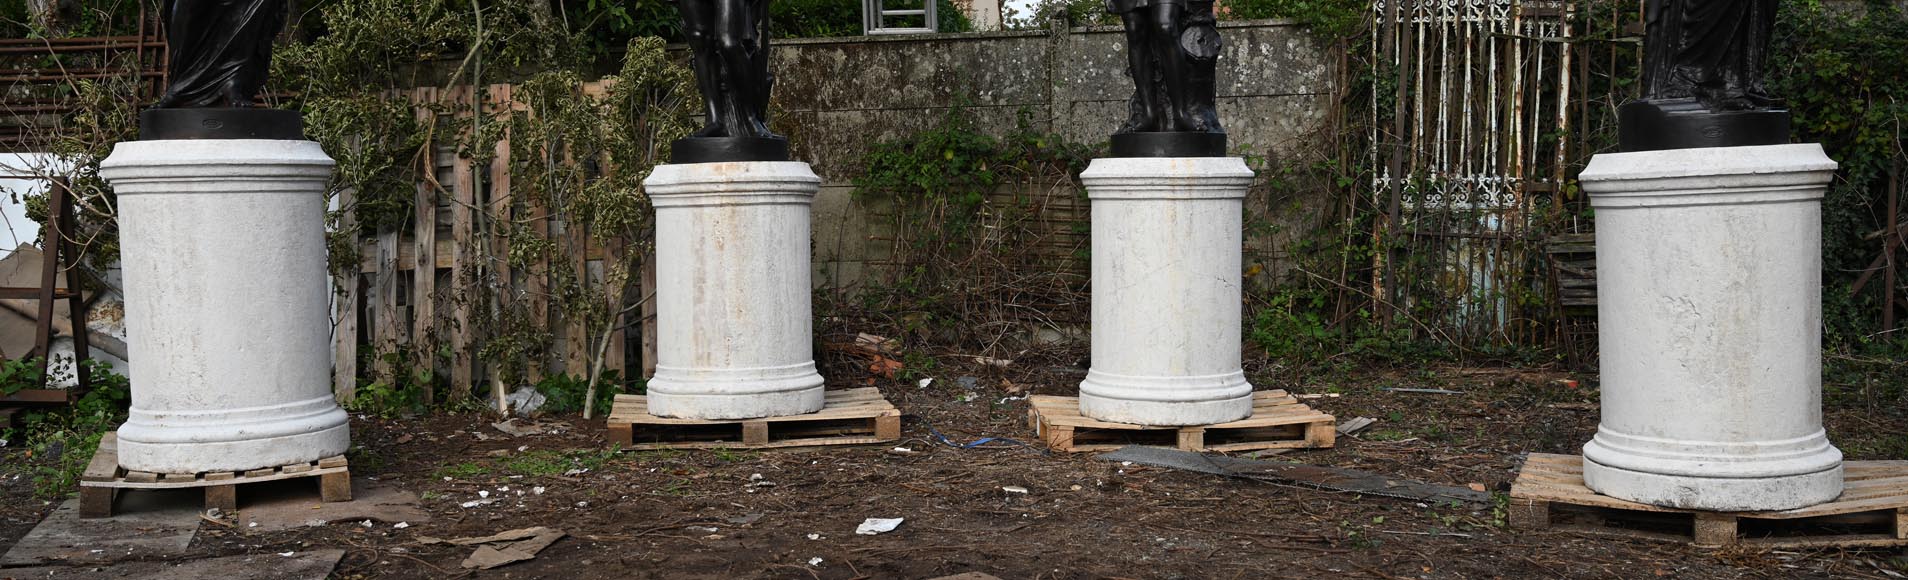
x,y
1468,159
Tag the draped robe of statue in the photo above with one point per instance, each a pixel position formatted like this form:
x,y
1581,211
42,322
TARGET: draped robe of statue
x,y
1709,50
221,50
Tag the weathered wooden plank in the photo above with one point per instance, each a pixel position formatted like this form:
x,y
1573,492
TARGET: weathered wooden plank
x,y
96,502
344,327
105,463
648,322
614,252
577,352
334,487
222,497
463,276
387,327
864,424
424,242
1293,426
501,214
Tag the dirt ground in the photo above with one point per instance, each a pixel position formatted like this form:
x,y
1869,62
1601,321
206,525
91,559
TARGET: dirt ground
x,y
733,514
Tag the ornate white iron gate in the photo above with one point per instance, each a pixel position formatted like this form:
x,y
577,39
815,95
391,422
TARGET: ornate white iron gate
x,y
1470,103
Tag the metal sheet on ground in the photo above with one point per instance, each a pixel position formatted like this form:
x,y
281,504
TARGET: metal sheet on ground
x,y
298,566
148,524
1329,478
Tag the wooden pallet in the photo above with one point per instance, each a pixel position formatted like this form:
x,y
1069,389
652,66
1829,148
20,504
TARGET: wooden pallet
x,y
1278,422
849,417
104,478
1872,512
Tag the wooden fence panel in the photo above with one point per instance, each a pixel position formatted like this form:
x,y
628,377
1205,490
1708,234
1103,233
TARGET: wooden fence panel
x,y
439,271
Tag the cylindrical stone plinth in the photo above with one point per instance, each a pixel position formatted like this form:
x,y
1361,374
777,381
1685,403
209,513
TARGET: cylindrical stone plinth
x,y
733,326
1709,265
222,245
1166,299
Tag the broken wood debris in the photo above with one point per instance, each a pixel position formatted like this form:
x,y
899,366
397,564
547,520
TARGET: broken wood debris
x,y
524,544
1355,425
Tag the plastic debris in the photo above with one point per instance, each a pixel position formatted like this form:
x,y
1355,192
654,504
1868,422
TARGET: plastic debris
x,y
815,561
525,400
1014,489
872,526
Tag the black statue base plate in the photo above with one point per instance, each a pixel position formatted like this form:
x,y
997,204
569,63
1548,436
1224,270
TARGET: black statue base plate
x,y
1687,124
728,149
221,123
1163,144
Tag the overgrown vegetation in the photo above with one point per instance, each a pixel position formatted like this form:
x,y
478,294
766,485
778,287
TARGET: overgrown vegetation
x,y
60,441
579,157
1852,102
984,259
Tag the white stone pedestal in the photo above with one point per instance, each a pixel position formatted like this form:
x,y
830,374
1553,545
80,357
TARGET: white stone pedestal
x,y
734,331
1709,265
228,322
1166,298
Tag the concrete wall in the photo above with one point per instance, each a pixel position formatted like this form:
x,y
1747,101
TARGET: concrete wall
x,y
835,97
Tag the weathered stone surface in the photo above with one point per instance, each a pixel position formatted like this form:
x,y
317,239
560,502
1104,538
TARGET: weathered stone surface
x,y
1166,291
912,72
1710,313
836,97
227,304
735,337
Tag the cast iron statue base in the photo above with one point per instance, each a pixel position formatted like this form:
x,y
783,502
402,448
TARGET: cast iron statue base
x,y
727,149
1663,124
221,123
1163,144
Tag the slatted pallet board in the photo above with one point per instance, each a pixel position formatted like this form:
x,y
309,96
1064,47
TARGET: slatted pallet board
x,y
1278,421
1872,512
848,417
104,478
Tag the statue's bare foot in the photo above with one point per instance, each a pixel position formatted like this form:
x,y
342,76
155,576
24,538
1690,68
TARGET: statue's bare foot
x,y
709,131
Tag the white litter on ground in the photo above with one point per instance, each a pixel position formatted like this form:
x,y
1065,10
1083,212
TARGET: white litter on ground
x,y
872,526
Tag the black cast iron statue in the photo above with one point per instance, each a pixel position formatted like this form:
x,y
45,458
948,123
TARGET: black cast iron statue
x,y
219,52
1172,53
729,43
1702,78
